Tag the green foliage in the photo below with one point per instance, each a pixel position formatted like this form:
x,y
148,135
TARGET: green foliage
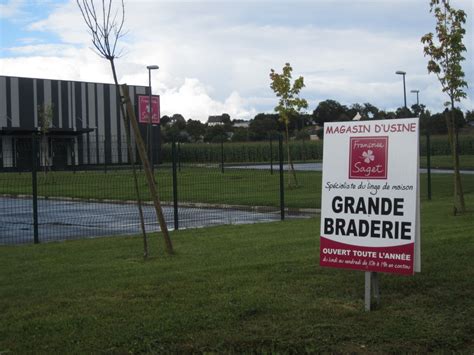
x,y
440,145
258,152
289,104
329,111
250,152
445,49
445,54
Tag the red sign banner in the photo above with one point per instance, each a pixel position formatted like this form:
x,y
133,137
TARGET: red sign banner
x,y
143,109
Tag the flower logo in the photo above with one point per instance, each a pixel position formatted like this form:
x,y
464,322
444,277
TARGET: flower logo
x,y
368,156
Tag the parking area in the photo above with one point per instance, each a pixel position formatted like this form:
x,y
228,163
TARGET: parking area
x,y
72,219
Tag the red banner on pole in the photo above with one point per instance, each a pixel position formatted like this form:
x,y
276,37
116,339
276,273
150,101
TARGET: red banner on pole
x,y
143,109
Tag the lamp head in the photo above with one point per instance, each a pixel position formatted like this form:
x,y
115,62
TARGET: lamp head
x,y
152,67
400,72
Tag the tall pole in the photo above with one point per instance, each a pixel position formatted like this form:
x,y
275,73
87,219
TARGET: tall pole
x,y
149,127
402,73
150,118
417,99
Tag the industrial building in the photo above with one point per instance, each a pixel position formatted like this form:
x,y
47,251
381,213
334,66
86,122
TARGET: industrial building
x,y
86,127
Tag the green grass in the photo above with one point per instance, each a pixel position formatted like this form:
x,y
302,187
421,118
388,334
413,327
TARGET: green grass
x,y
195,185
254,288
446,161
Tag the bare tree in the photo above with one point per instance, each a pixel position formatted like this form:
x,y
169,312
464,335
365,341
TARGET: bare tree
x,y
105,23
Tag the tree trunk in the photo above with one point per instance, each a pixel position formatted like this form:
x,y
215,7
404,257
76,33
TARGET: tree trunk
x,y
291,168
132,161
459,204
146,167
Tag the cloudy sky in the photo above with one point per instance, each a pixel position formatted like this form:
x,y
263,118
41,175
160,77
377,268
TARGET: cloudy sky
x,y
215,56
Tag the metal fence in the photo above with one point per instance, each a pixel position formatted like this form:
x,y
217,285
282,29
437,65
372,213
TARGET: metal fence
x,y
50,196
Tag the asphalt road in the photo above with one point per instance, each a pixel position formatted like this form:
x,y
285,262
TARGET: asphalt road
x,y
319,167
65,220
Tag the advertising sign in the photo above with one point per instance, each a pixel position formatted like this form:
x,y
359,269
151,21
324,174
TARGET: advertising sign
x,y
370,196
143,109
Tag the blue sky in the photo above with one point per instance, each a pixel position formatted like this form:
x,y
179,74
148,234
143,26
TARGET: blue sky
x,y
215,56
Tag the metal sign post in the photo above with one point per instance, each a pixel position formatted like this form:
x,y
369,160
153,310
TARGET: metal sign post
x,y
371,289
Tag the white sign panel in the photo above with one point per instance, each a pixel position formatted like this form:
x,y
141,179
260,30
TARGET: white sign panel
x,y
370,198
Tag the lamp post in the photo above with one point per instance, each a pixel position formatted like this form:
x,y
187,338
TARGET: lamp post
x,y
400,72
149,141
417,92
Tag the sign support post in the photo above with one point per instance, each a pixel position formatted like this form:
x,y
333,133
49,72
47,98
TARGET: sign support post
x,y
371,289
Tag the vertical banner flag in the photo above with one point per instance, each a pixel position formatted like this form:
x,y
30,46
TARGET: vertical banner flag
x,y
143,116
370,196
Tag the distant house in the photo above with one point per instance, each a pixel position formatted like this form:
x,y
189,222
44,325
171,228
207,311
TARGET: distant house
x,y
241,124
215,121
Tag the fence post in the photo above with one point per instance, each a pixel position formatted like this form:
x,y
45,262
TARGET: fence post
x,y
35,188
105,156
271,156
428,162
175,187
222,155
179,156
282,182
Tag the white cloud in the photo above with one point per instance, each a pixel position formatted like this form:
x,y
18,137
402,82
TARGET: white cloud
x,y
215,57
11,9
193,101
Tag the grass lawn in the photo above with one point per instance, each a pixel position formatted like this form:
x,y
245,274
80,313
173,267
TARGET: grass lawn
x,y
446,162
195,185
252,288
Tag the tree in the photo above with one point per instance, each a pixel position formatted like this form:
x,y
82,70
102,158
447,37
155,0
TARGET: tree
x,y
240,135
403,112
470,116
418,109
45,115
105,23
289,105
262,126
445,54
175,129
329,111
215,134
196,130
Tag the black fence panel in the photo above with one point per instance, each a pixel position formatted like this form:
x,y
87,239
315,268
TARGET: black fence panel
x,y
59,190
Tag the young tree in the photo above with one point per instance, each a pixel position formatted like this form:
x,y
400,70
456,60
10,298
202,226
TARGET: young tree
x,y
289,105
105,23
45,115
445,52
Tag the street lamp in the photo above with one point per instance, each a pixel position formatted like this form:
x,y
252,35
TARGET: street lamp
x,y
149,142
417,98
399,72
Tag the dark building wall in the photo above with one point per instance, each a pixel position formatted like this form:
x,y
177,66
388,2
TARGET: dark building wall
x,y
76,105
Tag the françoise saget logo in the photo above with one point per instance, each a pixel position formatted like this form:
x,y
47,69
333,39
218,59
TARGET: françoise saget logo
x,y
368,157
